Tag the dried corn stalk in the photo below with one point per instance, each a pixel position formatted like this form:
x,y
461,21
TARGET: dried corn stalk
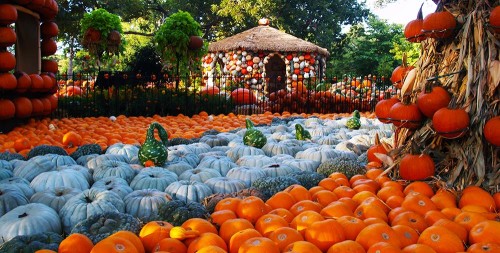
x,y
469,67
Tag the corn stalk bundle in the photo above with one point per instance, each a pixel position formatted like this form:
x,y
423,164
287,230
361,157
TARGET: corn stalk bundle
x,y
468,66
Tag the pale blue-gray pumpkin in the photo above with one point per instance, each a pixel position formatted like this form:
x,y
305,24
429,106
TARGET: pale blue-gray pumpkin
x,y
153,149
253,137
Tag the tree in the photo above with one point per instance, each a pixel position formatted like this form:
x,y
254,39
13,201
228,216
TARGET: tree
x,y
319,21
374,47
173,40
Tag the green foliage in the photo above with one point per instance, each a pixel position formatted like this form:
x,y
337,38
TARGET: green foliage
x,y
145,60
308,179
101,20
172,40
105,22
375,47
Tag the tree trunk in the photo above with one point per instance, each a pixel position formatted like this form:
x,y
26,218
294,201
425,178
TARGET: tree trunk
x,y
71,57
468,67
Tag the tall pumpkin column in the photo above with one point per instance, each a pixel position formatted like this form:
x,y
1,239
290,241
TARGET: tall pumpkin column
x,y
8,82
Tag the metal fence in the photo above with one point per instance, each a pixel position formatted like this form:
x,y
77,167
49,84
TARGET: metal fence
x,y
135,94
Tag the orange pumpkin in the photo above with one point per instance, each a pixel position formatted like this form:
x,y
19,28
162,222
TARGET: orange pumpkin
x,y
72,139
8,14
451,123
8,109
7,81
267,223
131,237
304,220
324,233
495,19
384,247
251,208
231,227
441,239
432,99
24,108
378,232
219,217
49,29
484,247
200,225
243,96
346,246
301,247
23,81
153,232
240,237
418,248
485,231
416,167
228,204
170,245
76,243
284,236
7,37
259,245
48,47
456,228
440,24
474,195
410,219
492,129
413,30
204,240
407,234
114,244
406,114
281,199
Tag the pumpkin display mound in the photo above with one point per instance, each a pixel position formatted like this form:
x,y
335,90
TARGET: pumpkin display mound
x,y
327,175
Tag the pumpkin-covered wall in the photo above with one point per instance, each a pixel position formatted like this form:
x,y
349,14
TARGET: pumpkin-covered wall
x,y
263,59
251,69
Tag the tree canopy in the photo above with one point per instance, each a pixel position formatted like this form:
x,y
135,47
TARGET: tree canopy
x,y
322,22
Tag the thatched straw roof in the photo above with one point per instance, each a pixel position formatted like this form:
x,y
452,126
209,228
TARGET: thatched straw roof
x,y
264,37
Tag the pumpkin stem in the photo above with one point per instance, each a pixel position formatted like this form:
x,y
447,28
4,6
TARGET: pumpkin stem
x,y
420,15
249,124
404,60
22,215
406,99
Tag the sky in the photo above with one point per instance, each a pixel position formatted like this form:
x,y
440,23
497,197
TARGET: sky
x,y
402,11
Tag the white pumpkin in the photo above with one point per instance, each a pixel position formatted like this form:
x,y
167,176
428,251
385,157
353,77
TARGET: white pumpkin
x,y
54,197
143,204
153,178
20,183
60,160
236,152
127,150
113,168
199,174
214,140
33,167
279,169
303,164
87,174
199,147
29,219
225,185
222,164
87,203
277,148
177,167
59,178
246,174
183,156
319,154
10,198
187,191
255,160
114,184
96,161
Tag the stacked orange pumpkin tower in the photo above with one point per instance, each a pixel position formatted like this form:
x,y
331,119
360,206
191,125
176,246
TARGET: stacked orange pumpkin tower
x,y
27,92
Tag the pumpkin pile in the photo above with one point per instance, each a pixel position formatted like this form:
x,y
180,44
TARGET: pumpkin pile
x,y
22,94
224,192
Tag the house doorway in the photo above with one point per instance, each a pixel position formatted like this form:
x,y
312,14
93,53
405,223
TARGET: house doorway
x,y
276,74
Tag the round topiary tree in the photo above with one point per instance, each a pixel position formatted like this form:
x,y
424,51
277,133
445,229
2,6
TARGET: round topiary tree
x,y
179,43
101,32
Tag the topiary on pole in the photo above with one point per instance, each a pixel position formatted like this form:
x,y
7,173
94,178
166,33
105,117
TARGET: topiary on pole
x,y
101,32
179,43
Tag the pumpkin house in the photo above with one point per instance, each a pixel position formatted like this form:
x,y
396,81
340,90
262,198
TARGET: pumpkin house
x,y
263,59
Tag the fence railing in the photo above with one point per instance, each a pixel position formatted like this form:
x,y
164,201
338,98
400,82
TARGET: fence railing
x,y
131,94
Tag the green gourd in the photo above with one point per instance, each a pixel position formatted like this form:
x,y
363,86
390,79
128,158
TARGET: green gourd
x,y
153,149
253,137
354,122
301,134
